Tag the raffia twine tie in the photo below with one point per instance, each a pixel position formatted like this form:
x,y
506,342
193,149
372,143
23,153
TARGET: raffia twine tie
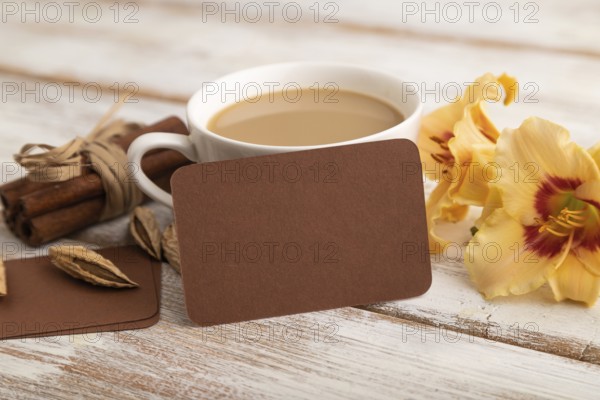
x,y
96,151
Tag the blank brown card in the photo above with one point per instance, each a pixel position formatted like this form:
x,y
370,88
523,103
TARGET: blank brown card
x,y
44,301
302,231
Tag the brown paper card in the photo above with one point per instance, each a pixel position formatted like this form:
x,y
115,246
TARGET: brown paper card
x,y
303,231
43,301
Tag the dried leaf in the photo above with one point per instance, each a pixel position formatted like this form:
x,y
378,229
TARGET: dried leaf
x,y
145,230
3,291
87,265
170,248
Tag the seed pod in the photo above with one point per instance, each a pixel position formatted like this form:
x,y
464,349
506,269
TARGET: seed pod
x,y
144,229
3,291
170,248
89,266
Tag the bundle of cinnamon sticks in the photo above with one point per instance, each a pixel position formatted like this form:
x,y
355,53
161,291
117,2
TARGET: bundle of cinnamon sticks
x,y
39,212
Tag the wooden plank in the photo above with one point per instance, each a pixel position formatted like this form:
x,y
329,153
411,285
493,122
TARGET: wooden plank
x,y
173,61
346,353
533,321
370,355
375,356
451,303
526,25
30,120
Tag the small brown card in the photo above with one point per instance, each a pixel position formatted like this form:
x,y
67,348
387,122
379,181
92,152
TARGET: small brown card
x,y
304,231
44,301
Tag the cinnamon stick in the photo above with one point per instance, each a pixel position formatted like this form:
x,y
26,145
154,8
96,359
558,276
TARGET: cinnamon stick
x,y
12,192
88,186
61,222
40,212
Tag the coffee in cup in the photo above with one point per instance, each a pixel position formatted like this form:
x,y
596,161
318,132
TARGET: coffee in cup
x,y
227,120
307,117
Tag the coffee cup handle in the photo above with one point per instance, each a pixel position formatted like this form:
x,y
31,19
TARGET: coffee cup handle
x,y
151,141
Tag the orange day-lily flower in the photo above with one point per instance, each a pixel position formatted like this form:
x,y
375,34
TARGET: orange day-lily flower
x,y
544,223
455,142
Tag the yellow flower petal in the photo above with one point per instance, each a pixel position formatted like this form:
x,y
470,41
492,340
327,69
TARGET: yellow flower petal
x,y
498,261
473,188
590,259
510,86
529,154
573,281
438,126
595,152
588,250
482,123
493,202
441,208
590,193
490,88
468,131
473,147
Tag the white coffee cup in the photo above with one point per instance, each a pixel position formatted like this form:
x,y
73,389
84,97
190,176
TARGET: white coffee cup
x,y
202,145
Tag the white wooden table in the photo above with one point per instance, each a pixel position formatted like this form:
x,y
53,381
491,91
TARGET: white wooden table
x,y
449,343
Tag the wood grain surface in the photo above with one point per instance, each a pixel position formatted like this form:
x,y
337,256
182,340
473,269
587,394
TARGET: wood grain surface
x,y
449,343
